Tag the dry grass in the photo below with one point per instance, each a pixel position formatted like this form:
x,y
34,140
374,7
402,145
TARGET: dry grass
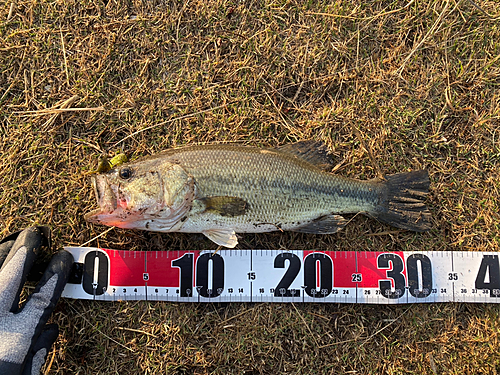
x,y
419,79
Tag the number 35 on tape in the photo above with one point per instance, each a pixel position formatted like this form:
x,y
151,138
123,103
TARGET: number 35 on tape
x,y
284,276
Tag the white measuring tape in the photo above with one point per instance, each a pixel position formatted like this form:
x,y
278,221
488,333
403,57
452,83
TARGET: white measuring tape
x,y
284,276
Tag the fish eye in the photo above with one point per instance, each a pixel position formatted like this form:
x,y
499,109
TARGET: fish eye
x,y
125,173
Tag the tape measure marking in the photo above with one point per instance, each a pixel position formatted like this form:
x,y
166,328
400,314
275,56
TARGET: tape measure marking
x,y
285,276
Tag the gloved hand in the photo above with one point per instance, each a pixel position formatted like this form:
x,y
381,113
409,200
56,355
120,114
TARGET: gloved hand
x,y
25,339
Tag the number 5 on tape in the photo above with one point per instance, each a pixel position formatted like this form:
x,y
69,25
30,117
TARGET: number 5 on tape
x,y
284,276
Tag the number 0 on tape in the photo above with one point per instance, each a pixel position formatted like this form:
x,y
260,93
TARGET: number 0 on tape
x,y
284,276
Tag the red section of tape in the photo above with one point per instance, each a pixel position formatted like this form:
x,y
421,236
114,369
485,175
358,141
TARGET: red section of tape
x,y
160,271
126,267
371,273
344,265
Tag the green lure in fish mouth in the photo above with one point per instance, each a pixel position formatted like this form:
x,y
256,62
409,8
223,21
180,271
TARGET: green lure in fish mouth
x,y
105,164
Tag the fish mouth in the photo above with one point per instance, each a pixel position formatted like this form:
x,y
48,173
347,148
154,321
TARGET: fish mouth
x,y
106,199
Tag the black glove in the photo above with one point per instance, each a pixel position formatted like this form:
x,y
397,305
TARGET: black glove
x,y
25,339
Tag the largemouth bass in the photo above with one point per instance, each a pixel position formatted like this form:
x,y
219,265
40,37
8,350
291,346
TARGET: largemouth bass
x,y
221,190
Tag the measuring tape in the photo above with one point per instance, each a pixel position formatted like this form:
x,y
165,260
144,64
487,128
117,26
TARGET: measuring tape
x,y
284,276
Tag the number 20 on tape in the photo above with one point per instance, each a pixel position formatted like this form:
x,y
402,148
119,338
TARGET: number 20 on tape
x,y
284,276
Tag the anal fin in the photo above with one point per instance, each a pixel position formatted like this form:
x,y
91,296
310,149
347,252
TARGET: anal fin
x,y
222,237
327,224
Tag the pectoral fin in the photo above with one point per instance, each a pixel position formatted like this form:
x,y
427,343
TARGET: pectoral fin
x,y
222,237
324,225
225,206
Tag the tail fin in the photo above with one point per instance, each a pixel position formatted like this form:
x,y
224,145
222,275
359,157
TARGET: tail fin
x,y
404,205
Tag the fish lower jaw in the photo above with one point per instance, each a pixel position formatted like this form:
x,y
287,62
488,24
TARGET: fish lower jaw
x,y
93,216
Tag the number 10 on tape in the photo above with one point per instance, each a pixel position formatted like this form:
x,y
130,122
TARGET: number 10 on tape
x,y
284,276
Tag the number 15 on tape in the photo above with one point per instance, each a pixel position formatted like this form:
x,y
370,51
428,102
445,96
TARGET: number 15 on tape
x,y
284,276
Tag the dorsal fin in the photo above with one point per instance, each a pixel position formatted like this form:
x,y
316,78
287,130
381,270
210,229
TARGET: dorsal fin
x,y
314,152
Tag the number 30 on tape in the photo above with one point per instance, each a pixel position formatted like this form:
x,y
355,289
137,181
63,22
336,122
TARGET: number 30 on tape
x,y
284,276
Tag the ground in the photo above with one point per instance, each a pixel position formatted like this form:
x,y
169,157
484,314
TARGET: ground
x,y
389,86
